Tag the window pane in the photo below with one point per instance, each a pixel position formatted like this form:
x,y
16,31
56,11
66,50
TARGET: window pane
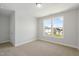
x,y
58,27
47,27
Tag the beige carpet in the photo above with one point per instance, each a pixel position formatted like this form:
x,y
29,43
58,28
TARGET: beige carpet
x,y
37,48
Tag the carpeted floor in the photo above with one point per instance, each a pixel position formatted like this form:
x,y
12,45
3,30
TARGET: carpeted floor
x,y
37,48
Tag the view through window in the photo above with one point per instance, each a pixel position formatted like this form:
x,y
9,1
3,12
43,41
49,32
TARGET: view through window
x,y
53,27
47,27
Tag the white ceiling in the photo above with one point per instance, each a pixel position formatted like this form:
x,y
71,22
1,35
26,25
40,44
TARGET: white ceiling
x,y
52,8
47,8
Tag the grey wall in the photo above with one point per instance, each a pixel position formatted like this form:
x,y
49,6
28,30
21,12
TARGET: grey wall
x,y
4,28
70,29
12,28
78,27
25,26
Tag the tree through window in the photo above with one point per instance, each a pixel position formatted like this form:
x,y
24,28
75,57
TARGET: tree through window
x,y
58,27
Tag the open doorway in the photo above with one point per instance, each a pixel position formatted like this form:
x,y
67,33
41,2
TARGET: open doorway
x,y
6,25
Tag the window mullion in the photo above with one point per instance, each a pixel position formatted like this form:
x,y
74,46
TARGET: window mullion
x,y
51,26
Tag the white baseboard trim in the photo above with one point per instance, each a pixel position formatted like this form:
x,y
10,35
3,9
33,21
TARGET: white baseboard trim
x,y
61,44
21,43
4,41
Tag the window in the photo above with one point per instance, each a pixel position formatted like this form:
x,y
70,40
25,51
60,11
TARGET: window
x,y
47,27
58,27
53,27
